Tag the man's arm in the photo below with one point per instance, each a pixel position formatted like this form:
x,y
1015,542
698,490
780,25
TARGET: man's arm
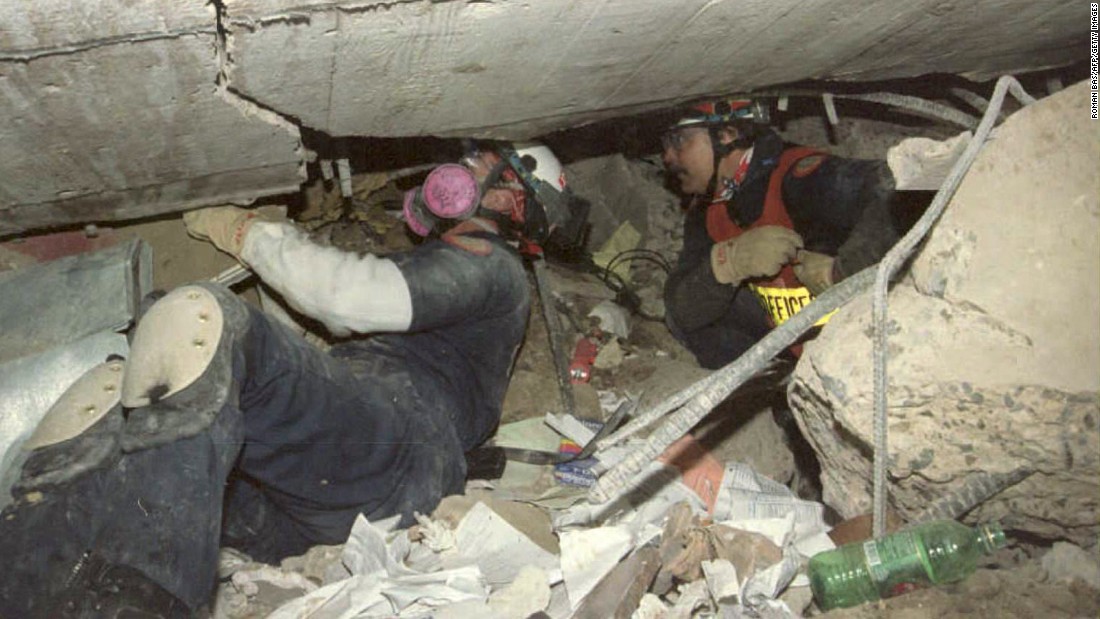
x,y
843,208
344,291
693,297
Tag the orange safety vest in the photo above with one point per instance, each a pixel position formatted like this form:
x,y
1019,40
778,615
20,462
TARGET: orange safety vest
x,y
783,295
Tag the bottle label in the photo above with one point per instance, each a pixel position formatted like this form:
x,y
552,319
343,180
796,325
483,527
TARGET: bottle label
x,y
895,564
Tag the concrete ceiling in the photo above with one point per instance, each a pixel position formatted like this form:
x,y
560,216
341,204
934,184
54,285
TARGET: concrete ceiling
x,y
115,109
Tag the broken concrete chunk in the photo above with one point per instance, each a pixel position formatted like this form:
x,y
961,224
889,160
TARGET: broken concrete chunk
x,y
748,552
532,521
611,356
1069,562
983,367
924,163
612,318
498,549
319,564
691,596
674,540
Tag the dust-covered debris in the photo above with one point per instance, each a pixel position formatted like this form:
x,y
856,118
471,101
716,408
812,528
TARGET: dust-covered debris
x,y
711,561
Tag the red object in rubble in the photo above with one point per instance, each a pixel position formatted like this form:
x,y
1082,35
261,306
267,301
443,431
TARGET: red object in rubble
x,y
584,355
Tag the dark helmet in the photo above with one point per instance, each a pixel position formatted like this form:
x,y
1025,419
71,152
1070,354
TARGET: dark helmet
x,y
746,115
724,112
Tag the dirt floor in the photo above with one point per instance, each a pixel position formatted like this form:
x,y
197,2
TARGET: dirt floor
x,y
1021,591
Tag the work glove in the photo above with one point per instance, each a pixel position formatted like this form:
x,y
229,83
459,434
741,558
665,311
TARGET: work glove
x,y
814,270
759,252
227,226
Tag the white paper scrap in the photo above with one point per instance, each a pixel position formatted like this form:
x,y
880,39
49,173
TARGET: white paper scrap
x,y
747,495
722,581
587,555
570,427
812,544
766,585
498,548
367,551
423,592
351,597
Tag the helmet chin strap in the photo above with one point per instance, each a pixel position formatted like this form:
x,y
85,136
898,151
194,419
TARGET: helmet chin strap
x,y
721,151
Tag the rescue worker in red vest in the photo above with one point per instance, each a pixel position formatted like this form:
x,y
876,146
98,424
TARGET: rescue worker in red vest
x,y
769,226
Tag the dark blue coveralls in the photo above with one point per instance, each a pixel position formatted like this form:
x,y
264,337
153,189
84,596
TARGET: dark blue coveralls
x,y
377,426
845,208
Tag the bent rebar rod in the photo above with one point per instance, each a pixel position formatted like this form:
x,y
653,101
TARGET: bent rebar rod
x,y
889,265
721,384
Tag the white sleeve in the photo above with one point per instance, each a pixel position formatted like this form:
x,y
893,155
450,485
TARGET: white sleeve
x,y
345,291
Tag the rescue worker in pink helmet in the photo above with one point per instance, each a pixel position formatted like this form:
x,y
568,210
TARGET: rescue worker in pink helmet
x,y
767,226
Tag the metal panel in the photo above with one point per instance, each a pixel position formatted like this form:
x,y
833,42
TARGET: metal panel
x,y
58,320
53,303
29,386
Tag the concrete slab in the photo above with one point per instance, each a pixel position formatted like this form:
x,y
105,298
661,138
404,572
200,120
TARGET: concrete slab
x,y
517,69
128,126
118,110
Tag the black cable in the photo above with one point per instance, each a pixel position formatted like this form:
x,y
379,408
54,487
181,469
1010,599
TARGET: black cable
x,y
624,294
654,256
663,265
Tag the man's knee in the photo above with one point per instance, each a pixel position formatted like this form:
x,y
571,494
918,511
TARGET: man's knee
x,y
180,371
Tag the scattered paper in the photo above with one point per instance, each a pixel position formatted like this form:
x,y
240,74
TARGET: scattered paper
x,y
587,556
497,548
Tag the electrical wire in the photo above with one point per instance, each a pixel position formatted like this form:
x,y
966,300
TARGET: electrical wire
x,y
915,105
624,293
640,253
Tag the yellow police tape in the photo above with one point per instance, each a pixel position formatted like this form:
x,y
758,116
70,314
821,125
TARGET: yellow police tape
x,y
782,303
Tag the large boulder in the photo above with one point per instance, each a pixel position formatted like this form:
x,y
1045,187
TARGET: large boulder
x,y
994,344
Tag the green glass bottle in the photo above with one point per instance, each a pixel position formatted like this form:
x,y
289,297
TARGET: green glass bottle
x,y
926,554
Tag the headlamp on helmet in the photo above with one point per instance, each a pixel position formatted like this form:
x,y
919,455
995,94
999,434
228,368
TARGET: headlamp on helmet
x,y
725,112
746,114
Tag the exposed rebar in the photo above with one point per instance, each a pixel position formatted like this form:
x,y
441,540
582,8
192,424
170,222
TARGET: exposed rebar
x,y
656,411
889,265
554,331
712,390
974,490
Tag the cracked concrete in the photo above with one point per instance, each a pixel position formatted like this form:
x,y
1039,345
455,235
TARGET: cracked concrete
x,y
125,120
120,110
999,372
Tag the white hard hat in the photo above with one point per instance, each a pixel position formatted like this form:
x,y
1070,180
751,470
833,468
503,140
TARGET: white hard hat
x,y
541,162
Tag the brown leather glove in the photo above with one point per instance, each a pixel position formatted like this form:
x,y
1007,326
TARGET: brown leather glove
x,y
759,252
814,270
227,226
